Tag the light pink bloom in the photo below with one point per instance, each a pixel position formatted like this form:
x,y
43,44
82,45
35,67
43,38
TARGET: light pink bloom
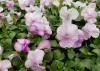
x,y
44,44
1,16
67,34
34,58
44,3
4,65
22,45
10,5
90,30
38,24
25,3
89,13
81,38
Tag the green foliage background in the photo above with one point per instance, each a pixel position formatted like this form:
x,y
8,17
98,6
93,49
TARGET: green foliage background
x,y
86,58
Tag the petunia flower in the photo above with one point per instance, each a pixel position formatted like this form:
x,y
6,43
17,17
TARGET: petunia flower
x,y
89,13
10,5
68,14
34,59
90,30
56,2
38,24
67,34
22,45
25,3
67,2
81,38
44,44
4,65
44,3
79,4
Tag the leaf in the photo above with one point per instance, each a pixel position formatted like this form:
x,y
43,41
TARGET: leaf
x,y
57,55
71,53
97,51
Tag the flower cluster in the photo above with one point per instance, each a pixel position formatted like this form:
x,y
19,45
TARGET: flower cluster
x,y
37,23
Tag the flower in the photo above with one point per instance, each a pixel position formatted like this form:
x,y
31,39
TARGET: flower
x,y
68,14
4,65
56,2
1,16
67,34
9,5
1,50
34,58
44,44
1,9
38,24
44,3
89,13
79,4
90,30
9,19
81,38
25,3
22,45
67,2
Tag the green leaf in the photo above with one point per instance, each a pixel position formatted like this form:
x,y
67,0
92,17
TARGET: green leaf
x,y
71,53
57,55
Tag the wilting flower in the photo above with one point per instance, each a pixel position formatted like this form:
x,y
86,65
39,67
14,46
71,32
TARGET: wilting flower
x,y
90,30
68,14
67,34
9,5
25,3
44,44
22,45
89,13
4,65
1,50
67,2
38,24
81,38
35,58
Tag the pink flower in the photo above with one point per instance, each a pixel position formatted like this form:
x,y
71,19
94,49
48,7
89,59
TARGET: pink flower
x,y
67,34
22,45
1,16
90,30
25,3
10,5
44,44
34,58
81,38
38,25
89,13
4,65
44,3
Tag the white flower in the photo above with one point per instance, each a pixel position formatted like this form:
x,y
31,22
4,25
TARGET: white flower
x,y
91,30
9,19
68,14
4,65
56,2
1,9
79,4
67,2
